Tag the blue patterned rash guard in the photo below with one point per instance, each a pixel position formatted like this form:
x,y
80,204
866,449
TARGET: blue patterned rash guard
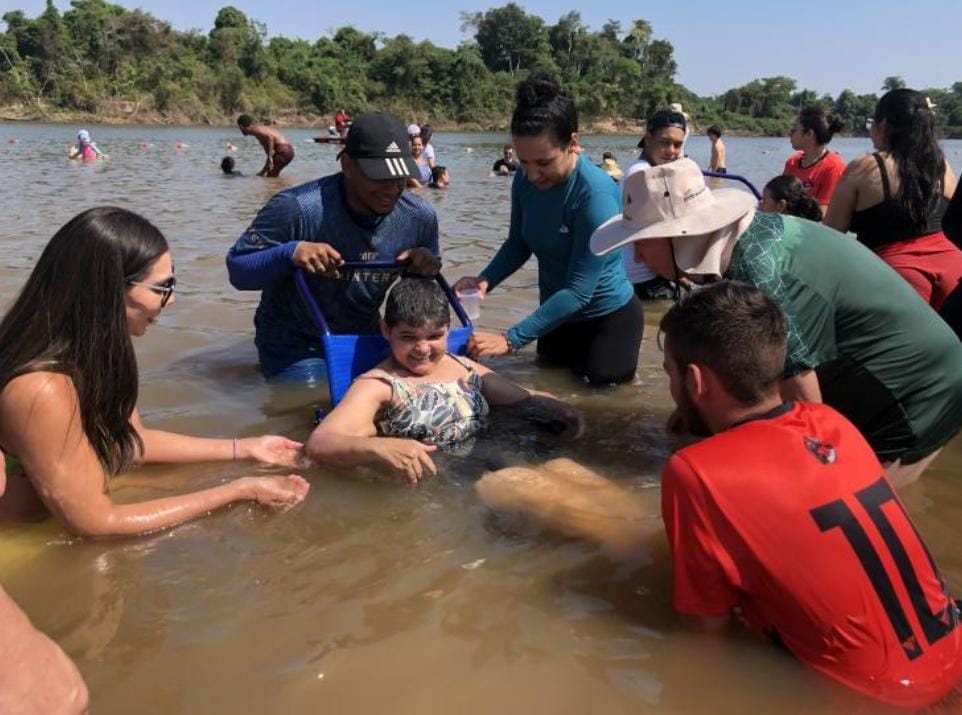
x,y
261,259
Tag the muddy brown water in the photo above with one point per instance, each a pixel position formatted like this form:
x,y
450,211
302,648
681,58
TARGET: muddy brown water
x,y
371,597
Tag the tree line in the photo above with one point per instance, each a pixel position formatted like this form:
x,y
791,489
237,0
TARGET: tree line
x,y
97,55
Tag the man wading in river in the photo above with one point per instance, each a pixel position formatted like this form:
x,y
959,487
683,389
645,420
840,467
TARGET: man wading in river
x,y
783,518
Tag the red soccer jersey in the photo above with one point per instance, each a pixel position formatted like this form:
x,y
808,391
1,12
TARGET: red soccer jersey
x,y
789,519
820,178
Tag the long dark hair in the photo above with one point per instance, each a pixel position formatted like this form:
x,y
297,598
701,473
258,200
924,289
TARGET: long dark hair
x,y
911,140
541,106
822,125
71,318
789,189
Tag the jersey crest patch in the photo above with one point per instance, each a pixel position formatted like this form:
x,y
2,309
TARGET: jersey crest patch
x,y
824,453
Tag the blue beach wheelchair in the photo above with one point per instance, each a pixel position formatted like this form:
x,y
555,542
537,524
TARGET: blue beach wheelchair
x,y
734,177
347,356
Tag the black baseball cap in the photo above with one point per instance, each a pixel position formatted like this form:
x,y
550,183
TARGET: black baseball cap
x,y
662,119
378,143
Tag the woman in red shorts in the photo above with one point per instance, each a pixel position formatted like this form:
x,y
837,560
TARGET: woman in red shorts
x,y
893,200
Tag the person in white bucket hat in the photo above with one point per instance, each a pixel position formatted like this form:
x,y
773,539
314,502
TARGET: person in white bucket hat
x,y
859,338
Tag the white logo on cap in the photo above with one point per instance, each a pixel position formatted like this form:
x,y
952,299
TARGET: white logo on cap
x,y
396,167
392,148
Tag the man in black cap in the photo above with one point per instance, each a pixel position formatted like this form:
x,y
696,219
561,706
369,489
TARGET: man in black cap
x,y
361,213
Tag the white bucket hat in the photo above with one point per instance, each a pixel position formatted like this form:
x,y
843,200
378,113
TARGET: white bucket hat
x,y
672,201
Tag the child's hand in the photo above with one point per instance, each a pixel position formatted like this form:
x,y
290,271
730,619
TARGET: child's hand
x,y
408,456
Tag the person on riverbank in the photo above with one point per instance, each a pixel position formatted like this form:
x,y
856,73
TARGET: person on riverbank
x,y
785,195
422,398
860,339
893,200
507,164
68,389
718,161
85,148
589,318
781,518
359,213
663,141
279,151
817,167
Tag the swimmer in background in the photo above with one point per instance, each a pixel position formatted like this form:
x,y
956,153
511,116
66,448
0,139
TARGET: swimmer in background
x,y
85,148
507,164
279,151
717,162
227,166
422,398
440,179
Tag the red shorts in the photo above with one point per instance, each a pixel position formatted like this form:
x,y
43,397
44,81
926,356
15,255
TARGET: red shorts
x,y
931,264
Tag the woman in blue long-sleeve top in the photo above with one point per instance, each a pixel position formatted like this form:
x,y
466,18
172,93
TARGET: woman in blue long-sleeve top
x,y
589,318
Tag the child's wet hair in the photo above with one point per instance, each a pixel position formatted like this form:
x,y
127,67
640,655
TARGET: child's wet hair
x,y
417,302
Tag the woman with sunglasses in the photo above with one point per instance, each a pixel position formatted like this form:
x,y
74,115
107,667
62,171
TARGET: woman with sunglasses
x,y
68,388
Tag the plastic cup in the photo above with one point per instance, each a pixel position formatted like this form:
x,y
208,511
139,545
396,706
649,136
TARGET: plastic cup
x,y
470,299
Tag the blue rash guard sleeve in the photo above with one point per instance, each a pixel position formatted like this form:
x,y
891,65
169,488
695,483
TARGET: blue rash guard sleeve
x,y
514,251
584,271
263,255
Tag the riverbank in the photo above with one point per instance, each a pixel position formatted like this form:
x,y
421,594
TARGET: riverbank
x,y
129,113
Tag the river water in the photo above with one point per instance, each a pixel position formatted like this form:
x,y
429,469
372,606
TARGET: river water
x,y
371,596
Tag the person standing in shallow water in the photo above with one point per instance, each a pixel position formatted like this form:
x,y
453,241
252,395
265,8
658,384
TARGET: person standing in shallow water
x,y
860,339
813,163
279,151
69,384
781,519
589,319
894,199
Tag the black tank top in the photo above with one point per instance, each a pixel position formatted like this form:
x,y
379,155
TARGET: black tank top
x,y
886,223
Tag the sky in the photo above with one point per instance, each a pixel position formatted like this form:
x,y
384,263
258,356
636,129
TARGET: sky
x,y
826,45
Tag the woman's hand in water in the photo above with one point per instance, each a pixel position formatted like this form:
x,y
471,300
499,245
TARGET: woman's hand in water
x,y
408,456
472,283
487,345
552,411
271,449
278,493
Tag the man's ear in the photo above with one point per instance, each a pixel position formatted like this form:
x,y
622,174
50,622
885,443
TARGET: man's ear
x,y
696,380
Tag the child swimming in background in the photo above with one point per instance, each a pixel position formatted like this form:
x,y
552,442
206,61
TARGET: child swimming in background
x,y
422,398
785,194
440,179
85,148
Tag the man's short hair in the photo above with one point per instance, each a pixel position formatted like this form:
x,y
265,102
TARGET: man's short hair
x,y
714,129
735,330
245,120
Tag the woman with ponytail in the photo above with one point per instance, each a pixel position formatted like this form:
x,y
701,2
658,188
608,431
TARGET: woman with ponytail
x,y
813,164
893,200
68,389
786,195
589,319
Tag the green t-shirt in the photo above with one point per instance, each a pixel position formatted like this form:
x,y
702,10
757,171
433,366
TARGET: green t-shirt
x,y
884,358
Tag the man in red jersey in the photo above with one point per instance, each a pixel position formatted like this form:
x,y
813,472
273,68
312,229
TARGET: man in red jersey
x,y
782,517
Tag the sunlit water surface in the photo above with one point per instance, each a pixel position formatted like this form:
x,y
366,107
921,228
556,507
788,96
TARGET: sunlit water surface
x,y
371,597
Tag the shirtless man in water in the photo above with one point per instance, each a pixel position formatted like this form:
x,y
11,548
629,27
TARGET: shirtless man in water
x,y
279,151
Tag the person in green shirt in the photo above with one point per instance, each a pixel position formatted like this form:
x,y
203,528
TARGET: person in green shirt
x,y
589,319
859,338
